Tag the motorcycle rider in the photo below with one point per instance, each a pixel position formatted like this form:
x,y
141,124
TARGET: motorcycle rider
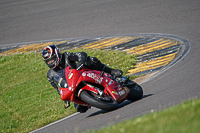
x,y
57,61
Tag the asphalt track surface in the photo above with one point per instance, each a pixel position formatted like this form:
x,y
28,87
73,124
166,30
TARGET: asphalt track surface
x,y
28,20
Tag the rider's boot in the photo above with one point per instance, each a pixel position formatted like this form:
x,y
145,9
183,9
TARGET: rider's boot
x,y
67,104
80,108
113,72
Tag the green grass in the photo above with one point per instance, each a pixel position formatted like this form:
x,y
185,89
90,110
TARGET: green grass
x,y
184,118
28,101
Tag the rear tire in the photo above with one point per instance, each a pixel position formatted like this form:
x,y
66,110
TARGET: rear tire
x,y
89,98
136,91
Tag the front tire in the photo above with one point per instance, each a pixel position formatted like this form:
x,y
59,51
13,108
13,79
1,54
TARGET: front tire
x,y
108,105
136,91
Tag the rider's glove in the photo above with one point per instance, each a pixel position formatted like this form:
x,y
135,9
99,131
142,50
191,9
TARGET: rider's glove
x,y
82,58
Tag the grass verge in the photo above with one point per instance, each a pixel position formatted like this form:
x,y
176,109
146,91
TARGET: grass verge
x,y
183,118
28,101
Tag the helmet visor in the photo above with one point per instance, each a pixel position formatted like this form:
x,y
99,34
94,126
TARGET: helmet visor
x,y
51,62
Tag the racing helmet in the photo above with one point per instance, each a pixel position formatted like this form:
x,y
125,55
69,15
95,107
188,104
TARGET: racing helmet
x,y
51,55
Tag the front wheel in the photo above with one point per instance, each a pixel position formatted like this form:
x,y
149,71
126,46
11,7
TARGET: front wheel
x,y
136,91
106,103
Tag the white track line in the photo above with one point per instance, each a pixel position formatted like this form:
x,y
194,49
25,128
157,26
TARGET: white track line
x,y
55,122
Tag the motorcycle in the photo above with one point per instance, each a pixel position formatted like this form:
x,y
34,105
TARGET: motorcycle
x,y
95,88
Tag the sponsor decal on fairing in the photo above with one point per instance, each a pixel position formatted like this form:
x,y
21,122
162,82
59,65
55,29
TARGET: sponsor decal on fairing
x,y
97,78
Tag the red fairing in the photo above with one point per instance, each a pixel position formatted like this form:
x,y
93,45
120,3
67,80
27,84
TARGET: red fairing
x,y
72,76
65,94
116,91
111,87
75,77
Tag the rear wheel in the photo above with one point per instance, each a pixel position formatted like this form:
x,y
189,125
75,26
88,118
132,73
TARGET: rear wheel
x,y
136,91
102,102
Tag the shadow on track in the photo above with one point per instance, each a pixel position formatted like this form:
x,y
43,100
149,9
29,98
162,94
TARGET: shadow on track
x,y
125,103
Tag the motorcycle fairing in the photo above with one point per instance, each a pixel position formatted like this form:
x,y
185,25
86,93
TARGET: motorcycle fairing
x,y
111,87
75,77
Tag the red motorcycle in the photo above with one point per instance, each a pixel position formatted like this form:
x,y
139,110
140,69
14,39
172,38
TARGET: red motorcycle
x,y
95,88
